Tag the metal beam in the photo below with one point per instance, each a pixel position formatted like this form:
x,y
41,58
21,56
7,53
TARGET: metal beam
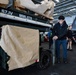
x,y
65,14
63,2
64,5
67,9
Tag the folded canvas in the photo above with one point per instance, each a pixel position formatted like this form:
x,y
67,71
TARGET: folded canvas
x,y
21,44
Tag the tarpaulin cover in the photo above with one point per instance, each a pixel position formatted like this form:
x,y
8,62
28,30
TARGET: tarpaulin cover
x,y
46,7
4,1
21,44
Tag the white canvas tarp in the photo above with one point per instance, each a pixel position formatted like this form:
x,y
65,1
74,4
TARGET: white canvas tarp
x,y
4,2
21,44
46,7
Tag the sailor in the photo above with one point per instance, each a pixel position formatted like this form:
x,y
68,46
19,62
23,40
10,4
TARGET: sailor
x,y
59,34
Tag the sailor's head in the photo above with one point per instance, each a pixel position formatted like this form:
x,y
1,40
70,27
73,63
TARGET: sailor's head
x,y
61,19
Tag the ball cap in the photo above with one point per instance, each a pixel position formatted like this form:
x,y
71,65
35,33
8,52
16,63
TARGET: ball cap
x,y
61,17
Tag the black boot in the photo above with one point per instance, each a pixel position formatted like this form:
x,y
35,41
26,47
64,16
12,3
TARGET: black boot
x,y
65,60
58,60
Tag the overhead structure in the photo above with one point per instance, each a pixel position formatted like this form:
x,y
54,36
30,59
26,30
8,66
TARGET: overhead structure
x,y
64,7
